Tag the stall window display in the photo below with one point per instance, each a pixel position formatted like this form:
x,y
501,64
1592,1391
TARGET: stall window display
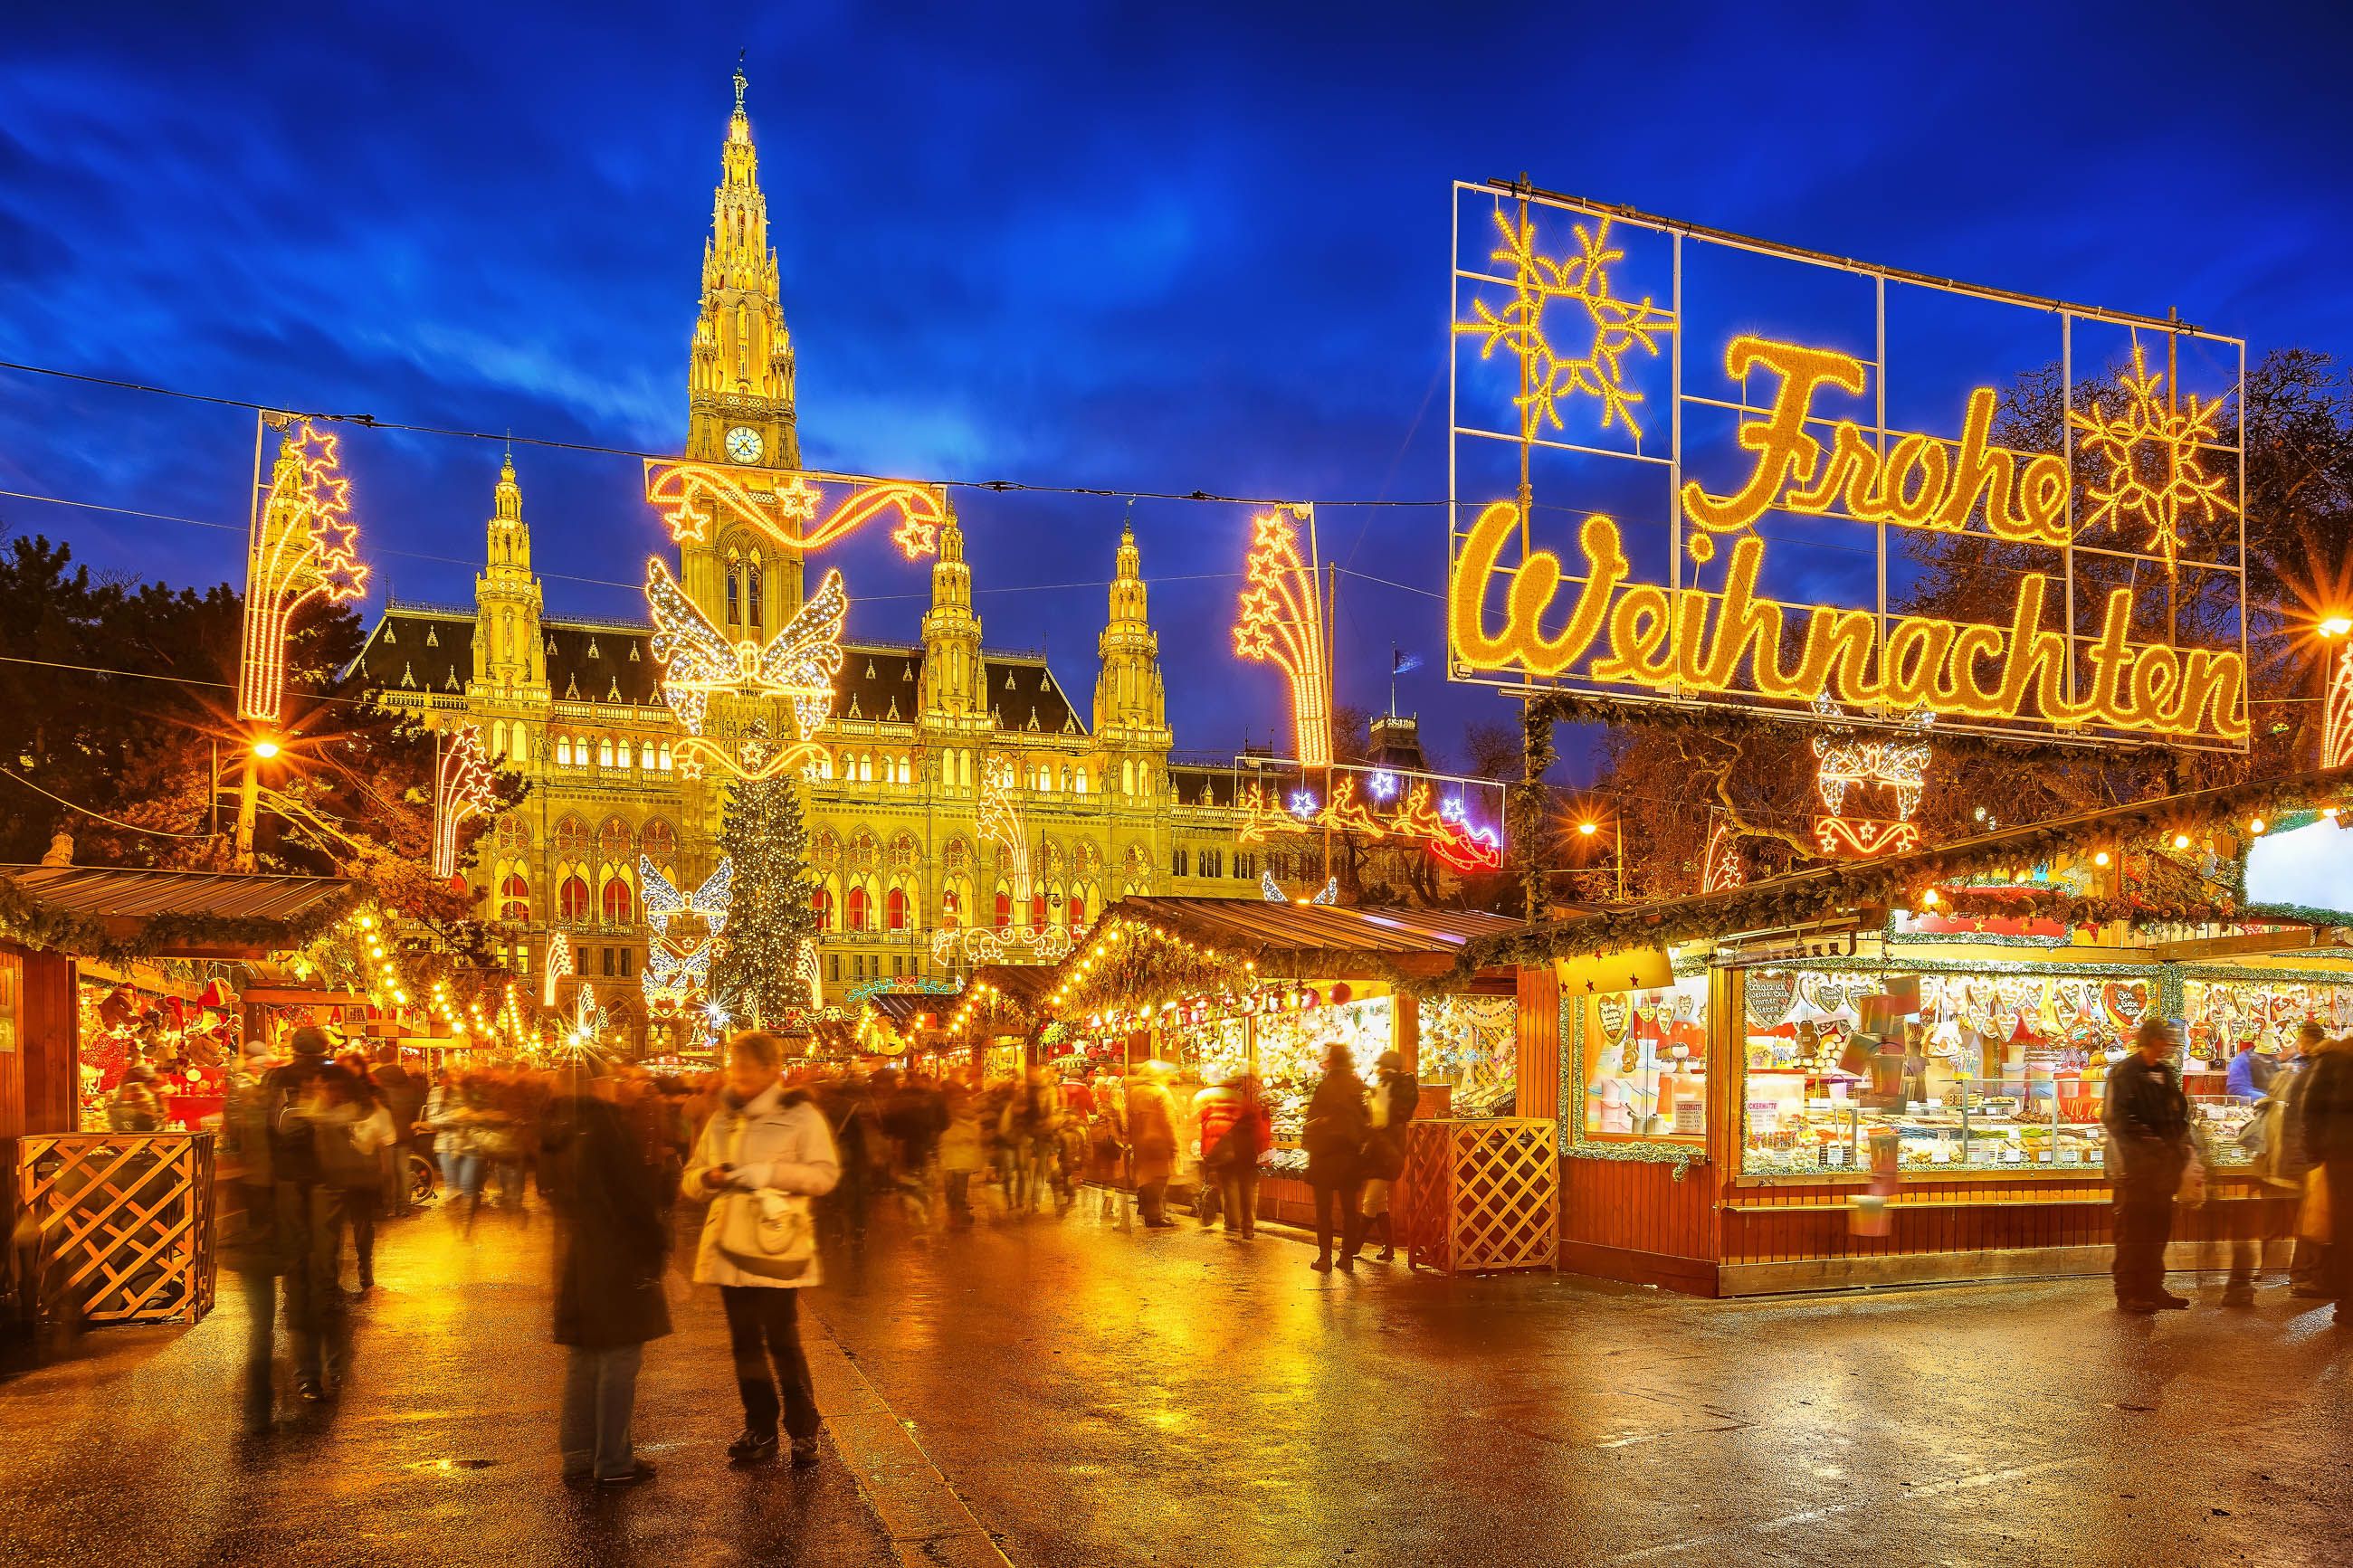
x,y
1961,1072
1471,1045
1645,1062
1291,1047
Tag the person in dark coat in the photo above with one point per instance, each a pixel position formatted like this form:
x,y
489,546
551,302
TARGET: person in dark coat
x,y
611,1244
2324,1118
1335,1139
2147,1122
402,1094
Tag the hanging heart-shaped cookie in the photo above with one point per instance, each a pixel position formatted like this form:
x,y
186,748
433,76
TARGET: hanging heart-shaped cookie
x,y
1771,994
2127,1000
1614,1014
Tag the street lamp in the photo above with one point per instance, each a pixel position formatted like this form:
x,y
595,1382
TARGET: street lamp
x,y
263,748
1588,828
2337,692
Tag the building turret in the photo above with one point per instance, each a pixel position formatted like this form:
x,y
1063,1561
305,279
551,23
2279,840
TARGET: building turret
x,y
951,694
1130,704
509,651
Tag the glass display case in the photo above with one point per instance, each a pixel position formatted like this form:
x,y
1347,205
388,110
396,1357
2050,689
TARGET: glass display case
x,y
1291,1047
1645,1062
1963,1072
1471,1045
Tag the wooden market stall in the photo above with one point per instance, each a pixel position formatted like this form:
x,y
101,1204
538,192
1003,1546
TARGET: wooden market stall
x,y
121,1221
994,1025
1217,987
1892,1071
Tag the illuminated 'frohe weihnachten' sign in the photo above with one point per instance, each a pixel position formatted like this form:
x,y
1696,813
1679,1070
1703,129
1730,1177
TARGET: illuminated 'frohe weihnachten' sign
x,y
1545,586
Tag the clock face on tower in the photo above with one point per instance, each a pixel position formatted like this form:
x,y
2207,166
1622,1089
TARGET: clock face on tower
x,y
743,444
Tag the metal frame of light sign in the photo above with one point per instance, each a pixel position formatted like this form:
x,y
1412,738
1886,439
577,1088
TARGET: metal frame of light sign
x,y
1588,305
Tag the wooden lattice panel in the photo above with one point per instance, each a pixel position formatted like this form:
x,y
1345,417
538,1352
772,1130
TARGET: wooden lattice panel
x,y
125,1223
1483,1195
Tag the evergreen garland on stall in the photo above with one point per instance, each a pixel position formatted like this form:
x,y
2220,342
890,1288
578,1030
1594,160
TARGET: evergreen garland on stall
x,y
773,909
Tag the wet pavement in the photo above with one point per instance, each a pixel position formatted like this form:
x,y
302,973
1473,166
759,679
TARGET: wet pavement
x,y
439,1452
1104,1397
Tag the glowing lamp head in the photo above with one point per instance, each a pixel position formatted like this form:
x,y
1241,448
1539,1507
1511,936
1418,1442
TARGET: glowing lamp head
x,y
2336,626
2257,826
1588,828
1931,899
2101,859
2182,841
264,748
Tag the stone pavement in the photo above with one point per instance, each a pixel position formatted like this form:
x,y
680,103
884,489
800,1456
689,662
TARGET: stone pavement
x,y
1065,1393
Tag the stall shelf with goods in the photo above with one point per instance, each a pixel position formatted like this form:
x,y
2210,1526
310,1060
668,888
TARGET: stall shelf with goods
x,y
1902,1062
1220,988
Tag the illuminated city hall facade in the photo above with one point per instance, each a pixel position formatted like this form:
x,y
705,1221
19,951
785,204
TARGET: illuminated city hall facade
x,y
575,705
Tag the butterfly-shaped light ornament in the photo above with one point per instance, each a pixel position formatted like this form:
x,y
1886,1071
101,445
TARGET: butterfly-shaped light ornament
x,y
800,662
664,901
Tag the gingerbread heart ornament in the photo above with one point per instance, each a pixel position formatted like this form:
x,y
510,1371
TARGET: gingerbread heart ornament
x,y
2125,1000
1771,996
1614,1014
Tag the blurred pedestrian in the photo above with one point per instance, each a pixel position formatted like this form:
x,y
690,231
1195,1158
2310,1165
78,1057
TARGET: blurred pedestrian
x,y
2287,1163
454,1115
914,1116
1335,1139
611,1243
2148,1151
402,1095
1152,1133
2325,1114
251,1243
310,1217
1396,1092
1235,1131
352,1130
132,1107
964,1153
764,1153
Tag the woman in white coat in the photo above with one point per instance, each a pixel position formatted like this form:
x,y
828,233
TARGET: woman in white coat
x,y
763,1139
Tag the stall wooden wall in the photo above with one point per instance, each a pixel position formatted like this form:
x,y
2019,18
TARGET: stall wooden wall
x,y
1632,1220
1539,1042
39,1088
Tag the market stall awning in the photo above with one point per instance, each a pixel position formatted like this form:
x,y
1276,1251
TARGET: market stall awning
x,y
1324,941
120,912
1845,889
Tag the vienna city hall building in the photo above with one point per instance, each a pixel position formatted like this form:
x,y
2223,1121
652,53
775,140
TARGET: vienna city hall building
x,y
575,705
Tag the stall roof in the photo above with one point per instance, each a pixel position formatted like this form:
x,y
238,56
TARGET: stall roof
x,y
1828,891
899,1009
1022,985
109,911
1321,939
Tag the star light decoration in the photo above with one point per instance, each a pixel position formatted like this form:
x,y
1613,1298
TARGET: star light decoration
x,y
1447,829
465,784
302,544
1586,358
799,663
782,505
1281,623
998,822
1722,867
1846,759
2150,444
559,965
688,929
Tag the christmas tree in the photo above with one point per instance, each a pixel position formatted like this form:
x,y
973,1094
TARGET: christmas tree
x,y
759,974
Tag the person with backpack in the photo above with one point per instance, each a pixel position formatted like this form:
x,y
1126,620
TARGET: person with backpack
x,y
765,1153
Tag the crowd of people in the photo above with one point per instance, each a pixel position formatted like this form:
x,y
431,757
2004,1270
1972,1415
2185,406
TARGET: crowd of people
x,y
2301,1139
319,1144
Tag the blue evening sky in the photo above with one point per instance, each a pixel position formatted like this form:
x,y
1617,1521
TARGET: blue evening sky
x,y
1135,248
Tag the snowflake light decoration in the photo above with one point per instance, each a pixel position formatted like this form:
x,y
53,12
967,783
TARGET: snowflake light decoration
x,y
2150,444
1591,364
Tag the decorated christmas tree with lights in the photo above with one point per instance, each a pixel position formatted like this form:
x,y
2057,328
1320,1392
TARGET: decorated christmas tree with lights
x,y
760,973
